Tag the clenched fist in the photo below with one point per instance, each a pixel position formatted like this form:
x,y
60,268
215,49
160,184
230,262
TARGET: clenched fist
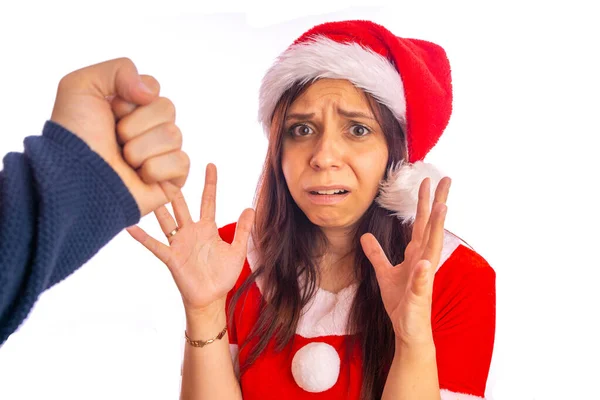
x,y
119,114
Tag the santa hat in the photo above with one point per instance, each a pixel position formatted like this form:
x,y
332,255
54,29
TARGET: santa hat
x,y
409,76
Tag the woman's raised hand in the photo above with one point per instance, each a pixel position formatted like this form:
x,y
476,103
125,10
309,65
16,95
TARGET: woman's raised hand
x,y
406,289
204,267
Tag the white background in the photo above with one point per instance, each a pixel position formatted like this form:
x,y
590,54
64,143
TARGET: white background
x,y
521,148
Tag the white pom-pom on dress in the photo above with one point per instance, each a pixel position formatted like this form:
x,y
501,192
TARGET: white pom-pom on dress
x,y
316,367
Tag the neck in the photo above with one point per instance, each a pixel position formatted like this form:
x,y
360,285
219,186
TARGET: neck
x,y
337,265
339,242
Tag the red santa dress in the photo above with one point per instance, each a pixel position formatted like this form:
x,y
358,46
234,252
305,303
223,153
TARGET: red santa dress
x,y
315,364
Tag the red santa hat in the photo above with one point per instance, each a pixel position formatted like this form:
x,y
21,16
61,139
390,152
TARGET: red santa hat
x,y
409,76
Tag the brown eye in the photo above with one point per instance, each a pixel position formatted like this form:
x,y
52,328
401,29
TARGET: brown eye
x,y
359,130
300,130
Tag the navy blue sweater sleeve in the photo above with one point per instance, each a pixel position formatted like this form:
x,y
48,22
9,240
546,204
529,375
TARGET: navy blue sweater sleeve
x,y
60,202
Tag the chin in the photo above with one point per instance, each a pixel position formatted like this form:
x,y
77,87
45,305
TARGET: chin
x,y
330,221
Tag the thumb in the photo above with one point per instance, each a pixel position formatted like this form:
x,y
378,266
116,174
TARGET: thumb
x,y
122,108
118,77
243,230
375,254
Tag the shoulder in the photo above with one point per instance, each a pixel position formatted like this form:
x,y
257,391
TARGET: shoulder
x,y
464,304
463,265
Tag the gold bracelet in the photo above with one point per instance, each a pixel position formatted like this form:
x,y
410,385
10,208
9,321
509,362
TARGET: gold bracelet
x,y
202,343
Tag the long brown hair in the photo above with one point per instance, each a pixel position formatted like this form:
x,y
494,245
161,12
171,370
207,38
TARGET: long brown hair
x,y
288,245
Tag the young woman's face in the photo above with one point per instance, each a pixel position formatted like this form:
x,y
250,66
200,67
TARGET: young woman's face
x,y
334,153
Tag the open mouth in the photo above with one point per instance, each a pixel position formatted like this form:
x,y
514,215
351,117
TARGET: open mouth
x,y
329,192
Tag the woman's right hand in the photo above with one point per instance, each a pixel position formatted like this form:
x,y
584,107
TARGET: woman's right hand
x,y
204,267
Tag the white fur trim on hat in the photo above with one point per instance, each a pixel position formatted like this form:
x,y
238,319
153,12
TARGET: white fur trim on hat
x,y
448,395
316,367
400,191
322,57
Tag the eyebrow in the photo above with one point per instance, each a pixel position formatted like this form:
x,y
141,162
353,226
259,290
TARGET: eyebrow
x,y
347,114
299,116
354,114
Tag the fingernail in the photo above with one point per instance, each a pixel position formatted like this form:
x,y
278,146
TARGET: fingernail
x,y
142,86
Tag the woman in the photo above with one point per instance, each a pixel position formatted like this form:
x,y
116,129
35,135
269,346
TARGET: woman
x,y
327,290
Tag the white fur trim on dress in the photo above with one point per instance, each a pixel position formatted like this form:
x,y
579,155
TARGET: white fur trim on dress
x,y
400,191
327,313
451,243
322,57
448,395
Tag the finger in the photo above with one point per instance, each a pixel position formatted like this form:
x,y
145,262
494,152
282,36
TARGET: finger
x,y
442,190
181,210
242,230
171,166
165,220
435,241
423,211
118,77
160,250
144,118
209,194
158,140
375,254
179,182
170,190
121,107
441,195
422,278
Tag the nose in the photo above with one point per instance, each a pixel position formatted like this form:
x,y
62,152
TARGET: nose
x,y
326,153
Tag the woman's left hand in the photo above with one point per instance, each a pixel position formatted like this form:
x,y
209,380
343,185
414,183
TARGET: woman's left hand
x,y
406,289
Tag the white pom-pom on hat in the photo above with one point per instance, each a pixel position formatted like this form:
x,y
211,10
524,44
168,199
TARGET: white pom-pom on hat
x,y
399,193
316,367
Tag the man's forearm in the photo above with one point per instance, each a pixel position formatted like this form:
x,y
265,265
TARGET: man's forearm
x,y
59,204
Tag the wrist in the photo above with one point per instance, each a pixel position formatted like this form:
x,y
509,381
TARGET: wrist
x,y
205,323
421,349
204,312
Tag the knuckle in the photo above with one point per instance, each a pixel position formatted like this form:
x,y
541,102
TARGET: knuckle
x,y
185,159
154,247
173,134
149,170
130,155
122,129
168,107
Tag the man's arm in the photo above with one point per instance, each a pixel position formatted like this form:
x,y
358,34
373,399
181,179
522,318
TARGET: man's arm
x,y
111,154
59,204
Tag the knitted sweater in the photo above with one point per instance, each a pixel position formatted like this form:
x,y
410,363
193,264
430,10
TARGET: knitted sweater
x,y
60,202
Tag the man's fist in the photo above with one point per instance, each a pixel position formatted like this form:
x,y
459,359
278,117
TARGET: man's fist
x,y
142,145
